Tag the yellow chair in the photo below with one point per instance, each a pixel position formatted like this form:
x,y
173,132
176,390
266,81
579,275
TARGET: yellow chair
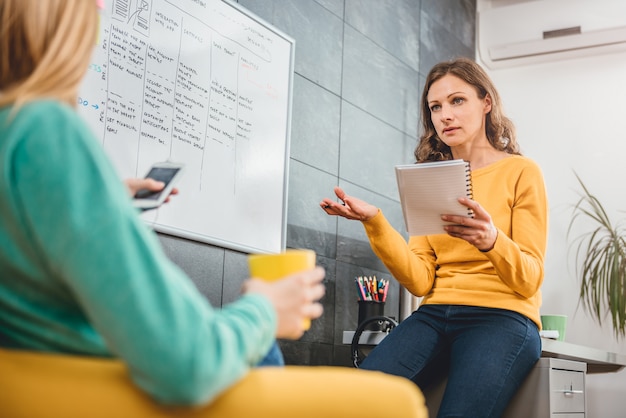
x,y
41,385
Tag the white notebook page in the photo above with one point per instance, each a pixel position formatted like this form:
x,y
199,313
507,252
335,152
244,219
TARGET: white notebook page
x,y
429,190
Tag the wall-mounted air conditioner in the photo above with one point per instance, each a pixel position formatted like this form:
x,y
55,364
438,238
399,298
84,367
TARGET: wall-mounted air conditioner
x,y
547,30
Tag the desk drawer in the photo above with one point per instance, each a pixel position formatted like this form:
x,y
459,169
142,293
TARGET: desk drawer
x,y
567,391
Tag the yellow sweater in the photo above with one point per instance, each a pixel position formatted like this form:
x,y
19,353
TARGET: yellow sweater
x,y
447,270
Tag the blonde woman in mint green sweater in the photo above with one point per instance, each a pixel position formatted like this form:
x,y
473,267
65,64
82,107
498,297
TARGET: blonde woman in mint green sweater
x,y
478,322
80,273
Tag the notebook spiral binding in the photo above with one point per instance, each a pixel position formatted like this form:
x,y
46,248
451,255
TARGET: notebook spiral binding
x,y
468,184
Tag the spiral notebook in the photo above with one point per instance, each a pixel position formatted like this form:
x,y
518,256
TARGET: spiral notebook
x,y
429,190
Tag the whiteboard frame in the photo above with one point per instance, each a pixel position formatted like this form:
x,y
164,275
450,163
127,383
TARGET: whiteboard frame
x,y
219,235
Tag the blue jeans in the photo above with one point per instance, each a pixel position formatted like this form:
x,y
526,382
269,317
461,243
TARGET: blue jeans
x,y
274,357
485,352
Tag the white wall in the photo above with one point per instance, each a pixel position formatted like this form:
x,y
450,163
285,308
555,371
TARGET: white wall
x,y
571,116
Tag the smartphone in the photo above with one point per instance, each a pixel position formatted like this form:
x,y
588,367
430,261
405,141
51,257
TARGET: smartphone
x,y
167,172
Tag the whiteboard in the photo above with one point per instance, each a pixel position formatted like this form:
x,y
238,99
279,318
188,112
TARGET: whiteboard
x,y
205,83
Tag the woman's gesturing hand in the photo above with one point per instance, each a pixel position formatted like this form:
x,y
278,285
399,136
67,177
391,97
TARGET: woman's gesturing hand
x,y
351,208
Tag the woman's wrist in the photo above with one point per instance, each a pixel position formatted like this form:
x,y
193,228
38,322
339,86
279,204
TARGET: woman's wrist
x,y
372,216
492,245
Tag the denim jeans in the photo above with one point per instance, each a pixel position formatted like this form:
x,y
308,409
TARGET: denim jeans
x,y
485,352
274,357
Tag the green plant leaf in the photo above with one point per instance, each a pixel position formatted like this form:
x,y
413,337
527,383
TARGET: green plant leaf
x,y
601,263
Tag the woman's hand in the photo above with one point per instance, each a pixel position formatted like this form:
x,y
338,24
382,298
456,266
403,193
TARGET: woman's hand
x,y
478,231
136,184
295,298
352,208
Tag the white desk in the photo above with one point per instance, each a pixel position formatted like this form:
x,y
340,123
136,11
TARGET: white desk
x,y
598,361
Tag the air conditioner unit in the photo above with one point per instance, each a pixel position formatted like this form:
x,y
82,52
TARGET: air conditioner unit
x,y
548,30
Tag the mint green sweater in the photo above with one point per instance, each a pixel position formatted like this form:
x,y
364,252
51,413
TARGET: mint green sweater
x,y
80,273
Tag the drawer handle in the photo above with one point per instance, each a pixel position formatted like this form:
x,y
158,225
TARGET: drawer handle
x,y
570,392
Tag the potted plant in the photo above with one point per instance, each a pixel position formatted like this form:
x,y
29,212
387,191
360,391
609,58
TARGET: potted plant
x,y
601,263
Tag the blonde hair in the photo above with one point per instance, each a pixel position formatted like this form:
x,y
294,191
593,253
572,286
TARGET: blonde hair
x,y
45,47
500,130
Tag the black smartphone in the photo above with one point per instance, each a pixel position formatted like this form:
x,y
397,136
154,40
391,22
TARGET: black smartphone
x,y
168,173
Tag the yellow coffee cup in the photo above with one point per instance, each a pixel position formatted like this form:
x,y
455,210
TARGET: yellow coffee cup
x,y
272,267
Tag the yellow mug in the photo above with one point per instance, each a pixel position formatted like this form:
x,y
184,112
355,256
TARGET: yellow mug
x,y
272,267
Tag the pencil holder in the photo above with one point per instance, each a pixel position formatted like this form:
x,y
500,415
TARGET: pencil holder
x,y
369,309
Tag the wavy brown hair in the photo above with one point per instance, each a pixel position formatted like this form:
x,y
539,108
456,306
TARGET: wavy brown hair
x,y
500,129
45,47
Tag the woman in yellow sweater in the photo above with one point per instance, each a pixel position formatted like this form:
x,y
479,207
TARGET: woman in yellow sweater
x,y
480,282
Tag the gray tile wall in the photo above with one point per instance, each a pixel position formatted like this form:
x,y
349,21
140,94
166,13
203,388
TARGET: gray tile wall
x,y
359,68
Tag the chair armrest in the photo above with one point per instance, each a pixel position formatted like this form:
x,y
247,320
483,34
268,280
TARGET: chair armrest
x,y
50,385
